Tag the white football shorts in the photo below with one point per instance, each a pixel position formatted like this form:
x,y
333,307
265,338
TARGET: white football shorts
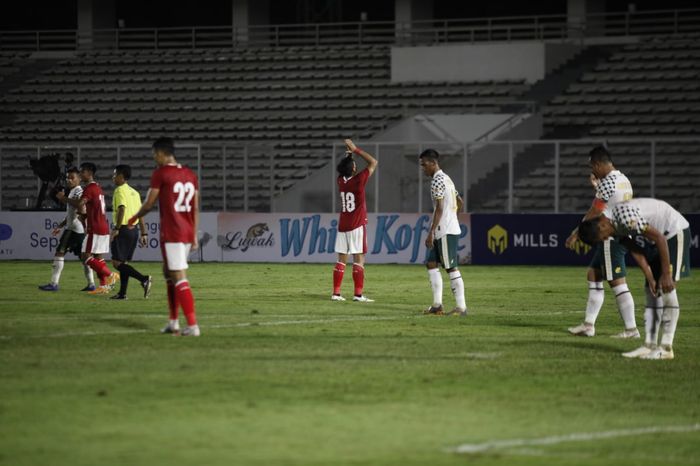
x,y
175,255
95,244
351,242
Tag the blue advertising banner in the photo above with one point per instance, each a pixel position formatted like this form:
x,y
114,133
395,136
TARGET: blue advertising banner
x,y
538,239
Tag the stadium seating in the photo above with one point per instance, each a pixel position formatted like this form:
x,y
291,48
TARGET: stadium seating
x,y
292,101
645,90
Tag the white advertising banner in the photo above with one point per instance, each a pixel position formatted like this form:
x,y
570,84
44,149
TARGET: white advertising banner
x,y
27,235
391,238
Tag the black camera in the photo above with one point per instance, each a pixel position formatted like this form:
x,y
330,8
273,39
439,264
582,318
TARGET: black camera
x,y
48,170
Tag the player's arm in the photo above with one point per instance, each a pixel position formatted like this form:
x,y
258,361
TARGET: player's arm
x,y
371,161
146,207
77,203
595,210
641,260
665,280
195,206
59,227
437,216
460,203
118,223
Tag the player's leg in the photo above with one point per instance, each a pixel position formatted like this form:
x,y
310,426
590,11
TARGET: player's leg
x,y
123,248
93,247
432,264
58,262
358,248
615,272
596,296
76,248
450,259
177,265
173,325
342,249
679,252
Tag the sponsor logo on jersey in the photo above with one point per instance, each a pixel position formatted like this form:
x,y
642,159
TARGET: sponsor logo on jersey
x,y
497,239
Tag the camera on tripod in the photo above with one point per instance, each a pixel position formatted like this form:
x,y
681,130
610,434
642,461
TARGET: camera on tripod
x,y
48,170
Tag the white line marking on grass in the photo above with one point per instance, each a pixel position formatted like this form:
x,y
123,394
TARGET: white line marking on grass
x,y
577,437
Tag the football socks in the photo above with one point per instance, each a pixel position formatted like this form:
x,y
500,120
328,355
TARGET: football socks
x,y
457,285
56,270
669,319
338,272
436,285
186,301
358,278
625,304
596,296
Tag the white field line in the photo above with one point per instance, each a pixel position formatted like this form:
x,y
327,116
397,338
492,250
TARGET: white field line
x,y
238,325
577,437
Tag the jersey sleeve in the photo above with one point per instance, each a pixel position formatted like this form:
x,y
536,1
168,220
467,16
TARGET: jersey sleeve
x,y
605,189
628,220
119,198
86,194
363,176
156,179
437,188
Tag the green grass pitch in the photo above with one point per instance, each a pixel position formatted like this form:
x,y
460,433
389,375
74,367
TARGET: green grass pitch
x,y
284,376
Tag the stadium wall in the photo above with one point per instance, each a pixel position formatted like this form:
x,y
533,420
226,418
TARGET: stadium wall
x,y
486,239
530,61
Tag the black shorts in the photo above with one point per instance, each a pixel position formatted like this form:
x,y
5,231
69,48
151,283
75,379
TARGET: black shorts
x,y
124,244
70,242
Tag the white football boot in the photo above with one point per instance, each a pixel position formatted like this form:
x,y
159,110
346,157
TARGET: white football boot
x,y
190,331
660,352
362,299
583,330
640,352
337,297
627,333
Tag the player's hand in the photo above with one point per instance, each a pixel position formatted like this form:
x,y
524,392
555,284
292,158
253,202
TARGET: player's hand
x,y
350,145
55,231
143,241
429,240
132,220
593,180
113,234
571,240
60,196
652,286
666,282
195,244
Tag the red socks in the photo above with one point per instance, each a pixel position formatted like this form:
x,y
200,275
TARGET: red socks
x,y
185,299
172,300
338,273
358,277
100,267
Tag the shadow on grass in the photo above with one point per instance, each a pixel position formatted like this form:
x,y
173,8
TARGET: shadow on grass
x,y
120,323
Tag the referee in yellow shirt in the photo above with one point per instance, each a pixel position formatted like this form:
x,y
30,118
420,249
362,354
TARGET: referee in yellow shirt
x,y
126,201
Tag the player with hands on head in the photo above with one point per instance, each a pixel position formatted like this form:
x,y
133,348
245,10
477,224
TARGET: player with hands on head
x,y
352,225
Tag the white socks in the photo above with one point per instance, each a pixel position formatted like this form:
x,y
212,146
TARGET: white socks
x,y
669,319
56,270
652,317
88,275
596,296
436,285
457,285
625,304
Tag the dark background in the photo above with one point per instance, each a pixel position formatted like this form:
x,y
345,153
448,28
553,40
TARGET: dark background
x,y
62,14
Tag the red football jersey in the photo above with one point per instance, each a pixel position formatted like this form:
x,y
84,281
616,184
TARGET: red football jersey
x,y
353,213
96,221
177,185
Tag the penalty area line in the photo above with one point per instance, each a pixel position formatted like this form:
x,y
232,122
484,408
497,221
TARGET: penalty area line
x,y
576,437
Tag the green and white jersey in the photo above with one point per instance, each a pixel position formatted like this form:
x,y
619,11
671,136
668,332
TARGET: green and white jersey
x,y
442,187
73,223
635,216
612,189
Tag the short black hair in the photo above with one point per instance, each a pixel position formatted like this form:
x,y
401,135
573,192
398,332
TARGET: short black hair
x,y
429,154
600,154
589,231
345,166
123,170
164,144
72,170
91,167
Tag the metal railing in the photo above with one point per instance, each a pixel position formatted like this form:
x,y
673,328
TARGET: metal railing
x,y
541,27
493,176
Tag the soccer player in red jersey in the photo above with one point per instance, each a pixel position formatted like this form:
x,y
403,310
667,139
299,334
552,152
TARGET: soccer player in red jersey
x,y
96,241
352,234
177,190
